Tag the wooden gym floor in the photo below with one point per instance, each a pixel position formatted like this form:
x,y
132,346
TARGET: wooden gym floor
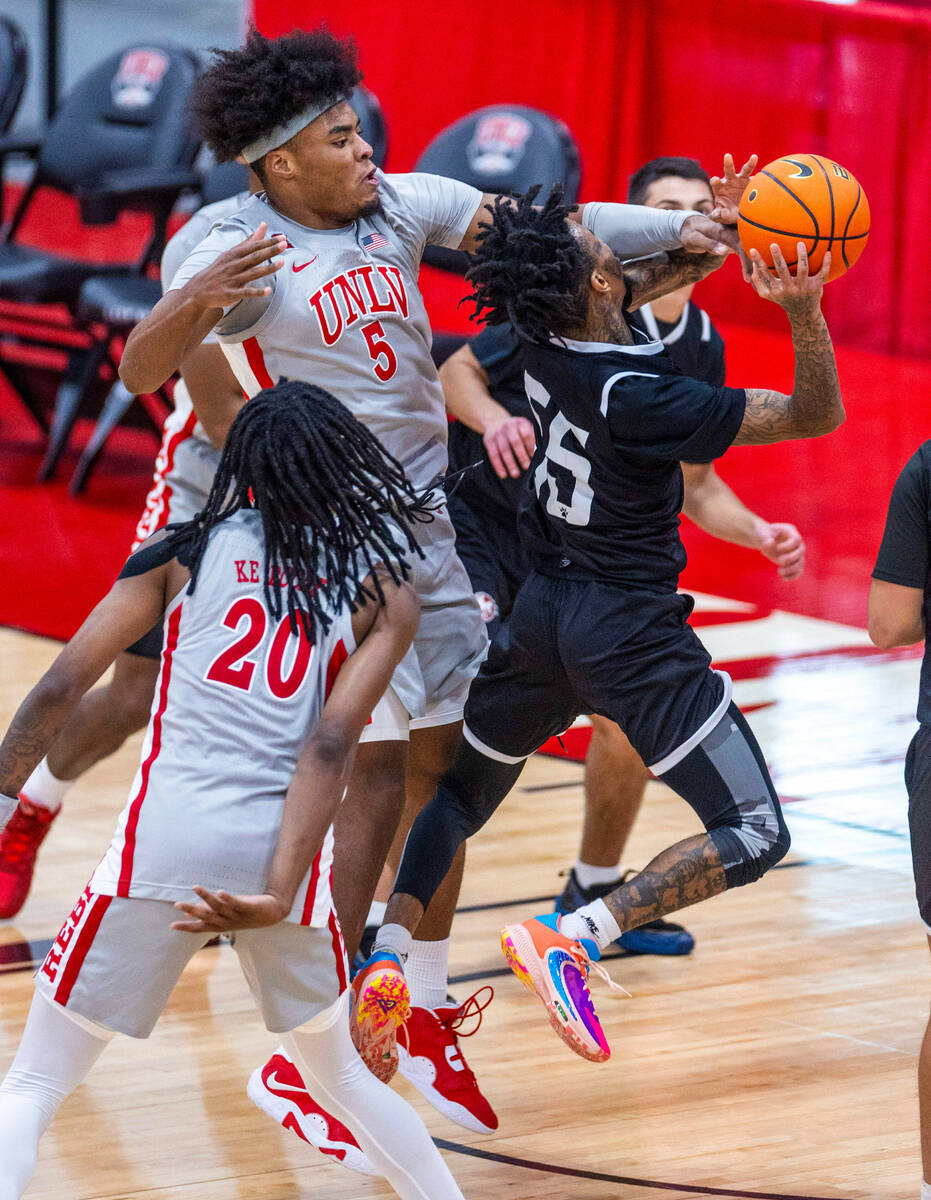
x,y
778,1060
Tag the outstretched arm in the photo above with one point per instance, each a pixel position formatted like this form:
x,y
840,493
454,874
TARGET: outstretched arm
x,y
323,768
130,609
715,507
631,230
815,406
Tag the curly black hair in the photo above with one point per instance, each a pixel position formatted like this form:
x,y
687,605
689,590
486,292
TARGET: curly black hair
x,y
333,502
244,94
530,268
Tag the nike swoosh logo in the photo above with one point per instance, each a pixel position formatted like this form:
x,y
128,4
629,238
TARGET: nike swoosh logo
x,y
295,267
273,1080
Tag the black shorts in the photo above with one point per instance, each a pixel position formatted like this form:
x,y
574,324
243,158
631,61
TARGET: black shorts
x,y
493,556
576,645
150,644
918,785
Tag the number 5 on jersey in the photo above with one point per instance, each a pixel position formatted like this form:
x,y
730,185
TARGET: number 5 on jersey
x,y
380,351
560,462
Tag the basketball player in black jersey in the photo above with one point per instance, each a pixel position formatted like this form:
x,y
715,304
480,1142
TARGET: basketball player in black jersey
x,y
599,625
483,382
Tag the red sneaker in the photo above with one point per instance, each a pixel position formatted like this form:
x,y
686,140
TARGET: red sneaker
x,y
19,845
430,1058
277,1089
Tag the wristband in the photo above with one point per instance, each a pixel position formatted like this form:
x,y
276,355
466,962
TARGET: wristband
x,y
633,230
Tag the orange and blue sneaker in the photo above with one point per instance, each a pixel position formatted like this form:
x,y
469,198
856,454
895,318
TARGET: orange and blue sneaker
x,y
556,969
379,1004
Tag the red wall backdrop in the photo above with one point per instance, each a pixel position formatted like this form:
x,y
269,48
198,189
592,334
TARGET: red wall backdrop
x,y
637,78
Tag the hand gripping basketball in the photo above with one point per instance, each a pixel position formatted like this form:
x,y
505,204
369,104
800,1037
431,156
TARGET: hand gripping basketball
x,y
798,294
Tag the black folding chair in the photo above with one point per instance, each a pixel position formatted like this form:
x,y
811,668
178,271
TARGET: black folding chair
x,y
502,148
121,140
114,304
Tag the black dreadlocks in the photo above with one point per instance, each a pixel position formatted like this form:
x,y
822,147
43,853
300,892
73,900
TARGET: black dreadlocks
x,y
324,487
244,94
530,268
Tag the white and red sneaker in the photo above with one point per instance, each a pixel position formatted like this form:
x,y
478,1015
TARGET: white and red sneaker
x,y
430,1058
277,1089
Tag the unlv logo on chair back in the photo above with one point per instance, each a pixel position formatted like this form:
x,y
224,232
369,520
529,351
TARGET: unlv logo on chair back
x,y
138,78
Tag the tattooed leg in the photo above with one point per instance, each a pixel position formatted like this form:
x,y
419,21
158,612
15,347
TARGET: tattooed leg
x,y
684,874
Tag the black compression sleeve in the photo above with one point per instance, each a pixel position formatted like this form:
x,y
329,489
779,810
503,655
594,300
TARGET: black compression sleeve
x,y
466,797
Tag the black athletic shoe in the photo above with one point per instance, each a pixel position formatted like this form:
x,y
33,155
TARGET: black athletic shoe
x,y
656,937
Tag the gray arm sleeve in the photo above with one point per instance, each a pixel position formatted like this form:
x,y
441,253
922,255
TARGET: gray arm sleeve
x,y
632,230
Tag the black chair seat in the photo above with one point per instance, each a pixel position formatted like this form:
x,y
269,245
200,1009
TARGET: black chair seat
x,y
35,277
118,300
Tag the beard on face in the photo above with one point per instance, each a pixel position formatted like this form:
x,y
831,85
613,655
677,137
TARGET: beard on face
x,y
373,208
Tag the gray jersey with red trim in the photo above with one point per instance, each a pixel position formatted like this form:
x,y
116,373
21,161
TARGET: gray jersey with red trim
x,y
345,311
237,695
191,234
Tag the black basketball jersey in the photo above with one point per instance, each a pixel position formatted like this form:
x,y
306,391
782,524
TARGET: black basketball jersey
x,y
613,423
694,345
499,353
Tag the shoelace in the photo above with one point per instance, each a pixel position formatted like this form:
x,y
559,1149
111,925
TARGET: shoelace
x,y
473,1007
586,964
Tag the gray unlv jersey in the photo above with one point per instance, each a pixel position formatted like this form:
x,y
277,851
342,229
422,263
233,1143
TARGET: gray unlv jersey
x,y
191,233
237,695
345,311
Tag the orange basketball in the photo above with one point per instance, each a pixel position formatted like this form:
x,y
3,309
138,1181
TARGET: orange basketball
x,y
805,198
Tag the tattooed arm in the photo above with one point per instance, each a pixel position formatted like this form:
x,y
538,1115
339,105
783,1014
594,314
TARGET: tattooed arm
x,y
815,406
130,609
650,280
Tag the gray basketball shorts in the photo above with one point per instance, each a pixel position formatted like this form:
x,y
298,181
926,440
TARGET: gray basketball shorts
x,y
115,962
451,641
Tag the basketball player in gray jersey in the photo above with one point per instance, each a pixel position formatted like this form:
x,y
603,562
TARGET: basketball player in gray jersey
x,y
316,279
299,645
184,470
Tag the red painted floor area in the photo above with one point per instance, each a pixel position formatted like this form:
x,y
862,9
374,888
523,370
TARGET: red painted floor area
x,y
58,554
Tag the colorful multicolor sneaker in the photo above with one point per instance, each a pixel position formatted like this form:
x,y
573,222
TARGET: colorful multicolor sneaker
x,y
655,937
379,1002
19,845
277,1089
430,1058
556,969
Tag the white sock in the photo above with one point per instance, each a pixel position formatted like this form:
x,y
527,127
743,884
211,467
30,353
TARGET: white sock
x,y
376,913
925,1190
427,973
45,790
395,938
588,876
593,921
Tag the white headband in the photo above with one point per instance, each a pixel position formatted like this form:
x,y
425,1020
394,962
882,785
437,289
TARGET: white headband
x,y
283,133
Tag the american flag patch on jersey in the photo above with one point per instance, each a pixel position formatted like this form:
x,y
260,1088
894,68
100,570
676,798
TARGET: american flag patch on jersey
x,y
373,241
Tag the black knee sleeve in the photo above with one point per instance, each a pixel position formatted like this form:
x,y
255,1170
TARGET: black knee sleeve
x,y
465,798
726,782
